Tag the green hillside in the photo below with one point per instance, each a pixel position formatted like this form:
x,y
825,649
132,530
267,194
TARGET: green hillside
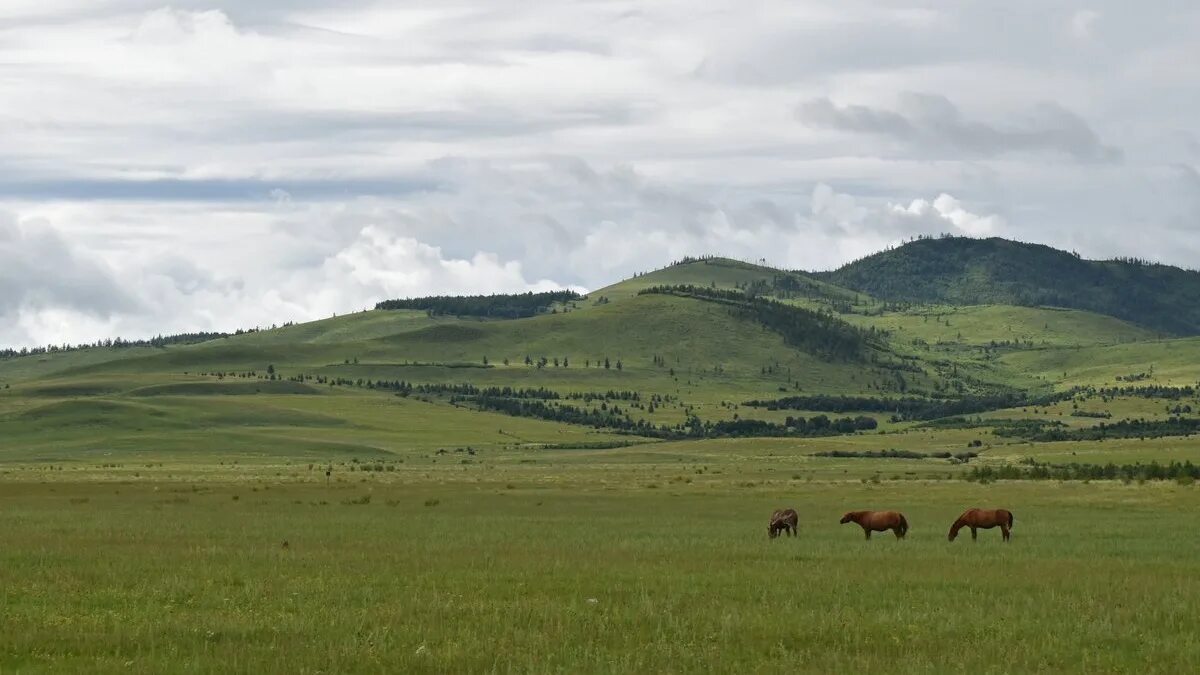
x,y
964,271
671,355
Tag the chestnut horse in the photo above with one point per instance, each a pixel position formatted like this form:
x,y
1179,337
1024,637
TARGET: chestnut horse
x,y
985,518
878,521
784,520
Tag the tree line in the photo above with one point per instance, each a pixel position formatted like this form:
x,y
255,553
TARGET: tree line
x,y
497,306
902,409
1033,470
121,343
910,408
617,419
897,454
1174,426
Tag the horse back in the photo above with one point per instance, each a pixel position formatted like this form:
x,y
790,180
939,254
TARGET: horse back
x,y
986,518
785,516
882,520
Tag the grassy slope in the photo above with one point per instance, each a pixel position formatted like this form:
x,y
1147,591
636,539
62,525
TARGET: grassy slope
x,y
1170,362
717,361
984,324
715,358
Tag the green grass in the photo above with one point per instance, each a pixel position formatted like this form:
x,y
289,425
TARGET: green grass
x,y
526,572
1169,362
984,324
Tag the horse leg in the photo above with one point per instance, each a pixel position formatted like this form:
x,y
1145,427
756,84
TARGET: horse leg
x,y
1004,531
868,533
974,534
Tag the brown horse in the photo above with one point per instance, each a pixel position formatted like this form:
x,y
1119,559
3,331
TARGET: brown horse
x,y
985,518
784,520
878,521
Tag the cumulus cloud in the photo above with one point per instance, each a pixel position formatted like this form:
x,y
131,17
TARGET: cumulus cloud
x,y
52,293
925,120
388,265
946,212
40,270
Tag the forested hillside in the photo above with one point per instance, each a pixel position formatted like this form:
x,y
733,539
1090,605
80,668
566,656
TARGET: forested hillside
x,y
962,271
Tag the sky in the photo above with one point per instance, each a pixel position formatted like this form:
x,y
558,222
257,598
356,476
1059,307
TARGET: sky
x,y
225,164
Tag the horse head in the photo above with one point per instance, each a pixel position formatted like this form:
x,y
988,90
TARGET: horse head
x,y
958,525
849,517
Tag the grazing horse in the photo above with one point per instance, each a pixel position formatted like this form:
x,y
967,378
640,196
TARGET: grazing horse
x,y
878,521
784,520
985,518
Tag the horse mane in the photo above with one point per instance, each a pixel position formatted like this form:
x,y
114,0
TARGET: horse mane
x,y
961,521
958,524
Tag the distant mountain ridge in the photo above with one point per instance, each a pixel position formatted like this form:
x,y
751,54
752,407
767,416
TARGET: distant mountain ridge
x,y
965,271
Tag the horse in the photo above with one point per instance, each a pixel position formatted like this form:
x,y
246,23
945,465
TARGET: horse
x,y
878,521
985,518
784,520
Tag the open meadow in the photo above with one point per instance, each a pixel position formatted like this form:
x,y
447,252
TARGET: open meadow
x,y
626,563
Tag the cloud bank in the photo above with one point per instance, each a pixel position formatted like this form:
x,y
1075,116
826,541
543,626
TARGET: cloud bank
x,y
208,166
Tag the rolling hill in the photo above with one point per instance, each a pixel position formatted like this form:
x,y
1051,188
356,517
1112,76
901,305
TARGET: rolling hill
x,y
963,271
674,354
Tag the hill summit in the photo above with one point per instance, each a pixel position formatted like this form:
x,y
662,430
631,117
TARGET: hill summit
x,y
965,271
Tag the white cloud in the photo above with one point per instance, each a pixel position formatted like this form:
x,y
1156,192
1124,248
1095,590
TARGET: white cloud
x,y
842,208
396,266
948,211
222,164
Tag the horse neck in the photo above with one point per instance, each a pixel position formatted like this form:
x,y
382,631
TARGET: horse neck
x,y
958,525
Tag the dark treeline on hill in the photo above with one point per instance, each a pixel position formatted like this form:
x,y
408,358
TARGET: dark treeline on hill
x,y
965,271
1032,470
120,343
1174,426
909,408
897,454
500,306
815,332
1149,391
618,419
457,393
901,408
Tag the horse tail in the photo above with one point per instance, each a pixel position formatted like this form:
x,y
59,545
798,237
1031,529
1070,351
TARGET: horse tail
x,y
903,525
1010,518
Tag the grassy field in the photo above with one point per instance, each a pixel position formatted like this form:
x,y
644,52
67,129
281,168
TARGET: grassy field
x,y
529,569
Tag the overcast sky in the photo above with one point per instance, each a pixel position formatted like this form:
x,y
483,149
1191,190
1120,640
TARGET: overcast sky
x,y
222,164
